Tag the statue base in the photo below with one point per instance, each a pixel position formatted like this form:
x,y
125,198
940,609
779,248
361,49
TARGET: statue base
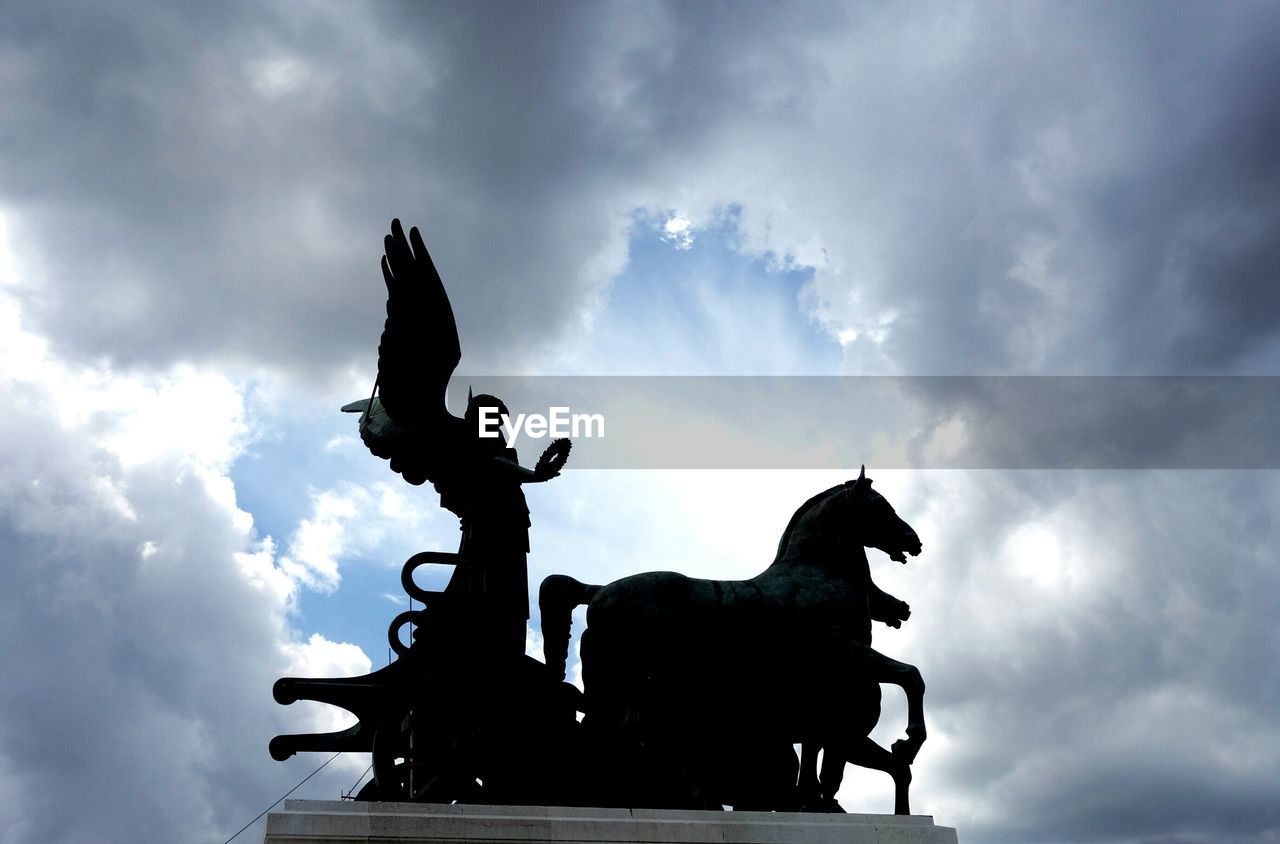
x,y
347,822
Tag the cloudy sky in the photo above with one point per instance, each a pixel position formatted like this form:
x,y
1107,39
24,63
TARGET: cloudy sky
x,y
192,202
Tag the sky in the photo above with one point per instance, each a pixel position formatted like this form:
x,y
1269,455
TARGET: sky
x,y
192,201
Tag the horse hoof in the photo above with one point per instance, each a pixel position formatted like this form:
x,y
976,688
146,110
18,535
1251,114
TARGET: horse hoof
x,y
904,751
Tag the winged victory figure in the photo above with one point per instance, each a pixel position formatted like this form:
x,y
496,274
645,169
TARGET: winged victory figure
x,y
406,421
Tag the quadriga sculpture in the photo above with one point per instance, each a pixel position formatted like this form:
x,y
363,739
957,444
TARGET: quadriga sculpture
x,y
696,690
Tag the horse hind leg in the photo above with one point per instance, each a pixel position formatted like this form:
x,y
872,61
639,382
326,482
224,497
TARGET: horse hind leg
x,y
558,596
808,787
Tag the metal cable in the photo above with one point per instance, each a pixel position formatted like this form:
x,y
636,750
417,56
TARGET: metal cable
x,y
348,796
286,794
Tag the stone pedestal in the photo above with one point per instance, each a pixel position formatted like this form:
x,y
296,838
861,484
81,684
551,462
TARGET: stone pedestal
x,y
345,822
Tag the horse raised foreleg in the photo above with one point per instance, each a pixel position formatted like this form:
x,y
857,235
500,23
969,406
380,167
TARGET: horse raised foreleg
x,y
882,669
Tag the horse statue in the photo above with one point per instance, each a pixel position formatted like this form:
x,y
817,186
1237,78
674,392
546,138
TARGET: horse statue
x,y
696,690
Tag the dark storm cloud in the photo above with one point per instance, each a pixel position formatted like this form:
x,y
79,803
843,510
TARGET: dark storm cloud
x,y
1128,422
1022,188
1187,229
1092,192
220,187
1120,687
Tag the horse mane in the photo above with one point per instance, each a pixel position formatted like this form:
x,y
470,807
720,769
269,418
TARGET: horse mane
x,y
804,508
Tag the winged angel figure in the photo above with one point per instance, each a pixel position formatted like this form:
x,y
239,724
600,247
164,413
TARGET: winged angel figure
x,y
406,421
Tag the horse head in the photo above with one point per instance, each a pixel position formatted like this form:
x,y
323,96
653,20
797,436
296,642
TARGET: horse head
x,y
848,514
871,521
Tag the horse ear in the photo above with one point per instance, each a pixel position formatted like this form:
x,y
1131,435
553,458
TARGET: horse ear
x,y
862,476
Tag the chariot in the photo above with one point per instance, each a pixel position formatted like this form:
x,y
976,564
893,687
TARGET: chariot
x,y
448,720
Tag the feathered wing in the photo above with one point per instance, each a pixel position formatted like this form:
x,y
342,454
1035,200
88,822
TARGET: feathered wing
x,y
419,348
409,423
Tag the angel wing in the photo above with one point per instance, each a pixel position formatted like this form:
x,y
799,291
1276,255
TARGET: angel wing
x,y
407,421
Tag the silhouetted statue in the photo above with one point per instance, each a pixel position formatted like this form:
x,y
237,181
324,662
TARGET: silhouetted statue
x,y
478,478
466,659
699,688
696,690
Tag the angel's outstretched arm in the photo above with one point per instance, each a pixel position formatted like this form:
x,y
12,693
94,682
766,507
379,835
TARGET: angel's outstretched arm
x,y
548,466
514,471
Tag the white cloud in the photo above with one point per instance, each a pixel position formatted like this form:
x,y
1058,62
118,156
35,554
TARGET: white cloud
x,y
319,657
533,644
678,231
352,520
145,620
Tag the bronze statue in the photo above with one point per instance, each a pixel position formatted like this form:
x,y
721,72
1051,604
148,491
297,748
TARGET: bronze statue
x,y
695,690
703,686
466,659
407,422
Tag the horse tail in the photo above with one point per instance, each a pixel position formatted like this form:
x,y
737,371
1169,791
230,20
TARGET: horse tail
x,y
558,596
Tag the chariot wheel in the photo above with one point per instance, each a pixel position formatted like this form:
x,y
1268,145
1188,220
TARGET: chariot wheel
x,y
392,759
428,769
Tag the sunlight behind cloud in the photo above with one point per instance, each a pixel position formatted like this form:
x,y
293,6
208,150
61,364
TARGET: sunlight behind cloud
x,y
275,77
1035,554
678,231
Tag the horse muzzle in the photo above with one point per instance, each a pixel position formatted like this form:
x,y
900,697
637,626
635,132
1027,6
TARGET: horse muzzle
x,y
911,545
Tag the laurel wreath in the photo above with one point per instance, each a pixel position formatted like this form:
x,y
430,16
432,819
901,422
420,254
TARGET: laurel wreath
x,y
554,458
